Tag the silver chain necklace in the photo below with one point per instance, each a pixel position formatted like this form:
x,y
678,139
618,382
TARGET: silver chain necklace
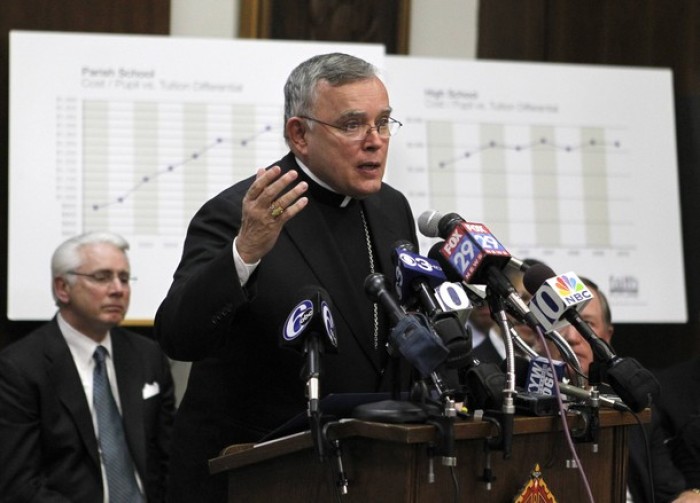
x,y
375,307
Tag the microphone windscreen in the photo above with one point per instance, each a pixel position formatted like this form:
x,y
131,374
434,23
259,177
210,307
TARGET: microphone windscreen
x,y
535,276
447,268
428,223
374,284
634,384
485,383
404,244
456,338
522,366
447,224
418,344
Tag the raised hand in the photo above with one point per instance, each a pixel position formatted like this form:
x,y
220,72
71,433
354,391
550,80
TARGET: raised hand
x,y
267,206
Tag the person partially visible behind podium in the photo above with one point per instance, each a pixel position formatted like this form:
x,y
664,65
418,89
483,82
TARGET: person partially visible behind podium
x,y
674,435
319,217
669,482
86,407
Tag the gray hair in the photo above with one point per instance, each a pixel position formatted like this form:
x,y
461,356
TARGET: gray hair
x,y
335,68
67,256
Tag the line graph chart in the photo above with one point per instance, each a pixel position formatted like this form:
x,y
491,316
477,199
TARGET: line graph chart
x,y
148,166
528,179
541,143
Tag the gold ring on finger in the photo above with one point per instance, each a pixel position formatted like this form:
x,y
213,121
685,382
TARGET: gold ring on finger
x,y
276,209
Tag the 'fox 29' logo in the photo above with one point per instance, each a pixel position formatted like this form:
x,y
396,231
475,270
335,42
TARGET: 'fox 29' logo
x,y
489,243
460,251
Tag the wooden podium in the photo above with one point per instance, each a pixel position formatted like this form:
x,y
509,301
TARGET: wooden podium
x,y
390,463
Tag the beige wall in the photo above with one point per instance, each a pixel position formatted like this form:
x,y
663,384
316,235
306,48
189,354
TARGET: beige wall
x,y
204,18
444,28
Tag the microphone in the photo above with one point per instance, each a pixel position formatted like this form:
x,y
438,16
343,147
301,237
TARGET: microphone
x,y
425,348
536,377
634,384
554,296
472,250
556,302
479,296
416,277
428,223
536,391
477,293
478,257
432,224
540,379
584,394
310,328
452,298
411,334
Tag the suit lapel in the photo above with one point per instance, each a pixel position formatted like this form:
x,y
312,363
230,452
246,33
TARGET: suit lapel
x,y
329,261
130,381
332,273
69,388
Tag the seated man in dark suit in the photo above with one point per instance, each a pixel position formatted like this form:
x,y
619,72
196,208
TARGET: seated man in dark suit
x,y
86,408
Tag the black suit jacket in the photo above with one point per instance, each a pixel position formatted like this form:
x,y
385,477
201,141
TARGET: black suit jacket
x,y
674,437
48,447
242,385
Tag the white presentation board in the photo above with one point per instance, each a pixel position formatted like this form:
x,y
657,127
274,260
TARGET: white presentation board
x,y
569,164
133,134
573,165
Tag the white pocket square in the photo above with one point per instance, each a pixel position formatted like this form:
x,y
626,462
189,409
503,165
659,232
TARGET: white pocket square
x,y
150,389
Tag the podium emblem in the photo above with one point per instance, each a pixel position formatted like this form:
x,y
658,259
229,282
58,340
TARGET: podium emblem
x,y
535,490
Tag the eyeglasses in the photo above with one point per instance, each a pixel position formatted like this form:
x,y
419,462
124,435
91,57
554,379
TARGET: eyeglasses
x,y
105,277
356,130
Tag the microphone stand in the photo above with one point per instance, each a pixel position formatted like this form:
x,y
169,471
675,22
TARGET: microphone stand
x,y
313,373
441,416
568,355
524,346
590,409
342,481
498,313
562,345
444,424
393,410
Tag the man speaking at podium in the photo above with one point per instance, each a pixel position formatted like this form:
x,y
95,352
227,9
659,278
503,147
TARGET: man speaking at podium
x,y
320,216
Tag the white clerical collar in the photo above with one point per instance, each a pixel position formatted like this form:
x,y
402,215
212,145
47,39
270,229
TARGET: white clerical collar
x,y
323,184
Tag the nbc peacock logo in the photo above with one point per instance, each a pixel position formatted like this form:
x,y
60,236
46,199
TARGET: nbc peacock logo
x,y
567,285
